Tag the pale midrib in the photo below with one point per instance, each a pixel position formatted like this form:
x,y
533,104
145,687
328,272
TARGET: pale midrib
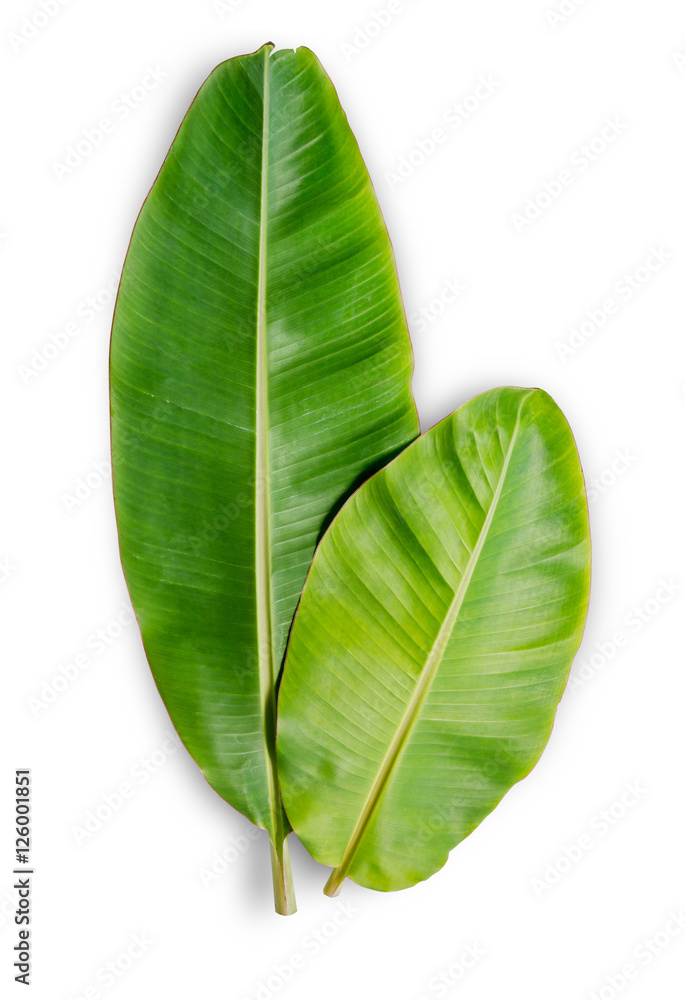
x,y
427,675
267,678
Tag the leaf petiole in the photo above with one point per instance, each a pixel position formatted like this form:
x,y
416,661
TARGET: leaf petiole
x,y
335,881
284,893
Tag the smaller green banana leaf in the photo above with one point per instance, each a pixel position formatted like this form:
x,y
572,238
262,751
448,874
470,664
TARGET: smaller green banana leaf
x,y
433,640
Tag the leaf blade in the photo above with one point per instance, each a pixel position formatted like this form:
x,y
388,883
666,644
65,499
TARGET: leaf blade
x,y
259,337
404,565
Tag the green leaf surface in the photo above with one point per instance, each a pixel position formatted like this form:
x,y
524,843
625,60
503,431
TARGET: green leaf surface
x,y
260,369
434,639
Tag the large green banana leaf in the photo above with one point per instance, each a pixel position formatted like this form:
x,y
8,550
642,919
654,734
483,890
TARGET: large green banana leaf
x,y
260,368
433,640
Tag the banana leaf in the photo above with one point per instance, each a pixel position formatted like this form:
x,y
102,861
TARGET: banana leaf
x,y
260,370
433,640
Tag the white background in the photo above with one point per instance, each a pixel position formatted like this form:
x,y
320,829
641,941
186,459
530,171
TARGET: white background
x,y
64,236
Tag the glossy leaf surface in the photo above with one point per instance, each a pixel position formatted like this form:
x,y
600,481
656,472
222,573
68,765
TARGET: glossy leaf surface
x,y
434,639
260,368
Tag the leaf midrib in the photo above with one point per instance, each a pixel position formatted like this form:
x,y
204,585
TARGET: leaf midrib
x,y
265,637
427,675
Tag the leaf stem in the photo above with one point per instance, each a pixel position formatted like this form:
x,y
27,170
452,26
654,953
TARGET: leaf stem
x,y
284,893
333,886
